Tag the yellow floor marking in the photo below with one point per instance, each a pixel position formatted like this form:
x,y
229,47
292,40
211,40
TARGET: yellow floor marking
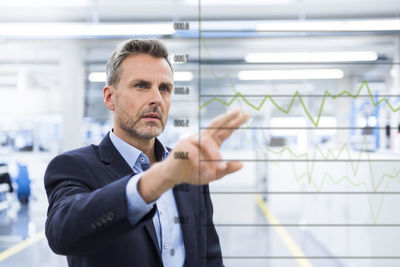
x,y
287,239
21,245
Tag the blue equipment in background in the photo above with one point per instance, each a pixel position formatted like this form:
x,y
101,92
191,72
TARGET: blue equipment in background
x,y
23,182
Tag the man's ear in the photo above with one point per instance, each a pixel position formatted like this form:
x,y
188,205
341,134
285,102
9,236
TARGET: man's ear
x,y
109,97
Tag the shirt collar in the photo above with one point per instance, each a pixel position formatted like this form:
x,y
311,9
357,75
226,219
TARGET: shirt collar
x,y
131,153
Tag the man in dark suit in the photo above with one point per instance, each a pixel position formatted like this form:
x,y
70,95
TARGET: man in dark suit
x,y
131,201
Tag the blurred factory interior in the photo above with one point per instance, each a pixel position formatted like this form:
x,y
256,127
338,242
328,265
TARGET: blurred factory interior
x,y
320,79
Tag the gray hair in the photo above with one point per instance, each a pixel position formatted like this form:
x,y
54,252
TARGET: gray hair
x,y
151,47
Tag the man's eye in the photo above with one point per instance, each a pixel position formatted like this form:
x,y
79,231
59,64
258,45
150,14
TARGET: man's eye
x,y
164,89
140,85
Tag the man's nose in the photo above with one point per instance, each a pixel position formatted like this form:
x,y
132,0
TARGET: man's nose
x,y
155,97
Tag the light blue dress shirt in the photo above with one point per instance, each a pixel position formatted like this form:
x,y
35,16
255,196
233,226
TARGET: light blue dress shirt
x,y
169,232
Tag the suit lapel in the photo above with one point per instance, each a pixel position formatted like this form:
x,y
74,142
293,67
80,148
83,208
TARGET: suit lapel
x,y
149,225
117,165
183,203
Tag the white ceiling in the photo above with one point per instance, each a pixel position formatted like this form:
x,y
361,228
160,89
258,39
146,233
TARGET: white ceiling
x,y
171,10
222,50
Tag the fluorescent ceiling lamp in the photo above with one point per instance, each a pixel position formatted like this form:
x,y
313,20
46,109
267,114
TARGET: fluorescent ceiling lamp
x,y
331,26
183,76
291,74
44,3
97,77
82,29
346,56
179,76
238,3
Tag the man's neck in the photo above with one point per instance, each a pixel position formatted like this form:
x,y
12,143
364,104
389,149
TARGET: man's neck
x,y
143,144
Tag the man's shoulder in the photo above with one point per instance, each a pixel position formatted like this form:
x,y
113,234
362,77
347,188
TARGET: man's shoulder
x,y
82,154
81,151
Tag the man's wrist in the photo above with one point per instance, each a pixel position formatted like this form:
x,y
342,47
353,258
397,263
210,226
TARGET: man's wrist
x,y
155,182
137,207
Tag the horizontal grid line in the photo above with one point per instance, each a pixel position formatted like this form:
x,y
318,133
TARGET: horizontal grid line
x,y
242,62
300,193
303,160
311,257
298,31
297,128
291,95
300,225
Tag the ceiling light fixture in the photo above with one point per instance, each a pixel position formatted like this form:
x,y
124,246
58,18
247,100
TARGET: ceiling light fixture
x,y
59,30
345,56
331,25
291,74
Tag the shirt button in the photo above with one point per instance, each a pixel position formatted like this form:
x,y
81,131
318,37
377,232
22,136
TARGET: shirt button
x,y
141,159
162,211
176,220
165,245
172,252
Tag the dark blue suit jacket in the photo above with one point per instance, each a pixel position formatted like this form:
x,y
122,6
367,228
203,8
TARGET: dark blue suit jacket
x,y
87,215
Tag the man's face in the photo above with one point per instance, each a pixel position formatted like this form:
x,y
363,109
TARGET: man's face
x,y
143,96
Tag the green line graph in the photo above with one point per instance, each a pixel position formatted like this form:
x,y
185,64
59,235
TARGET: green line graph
x,y
238,95
297,95
377,183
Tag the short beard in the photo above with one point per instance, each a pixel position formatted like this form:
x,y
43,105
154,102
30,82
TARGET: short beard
x,y
130,126
131,130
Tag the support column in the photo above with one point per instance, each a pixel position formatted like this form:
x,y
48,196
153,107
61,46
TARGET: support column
x,y
72,94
